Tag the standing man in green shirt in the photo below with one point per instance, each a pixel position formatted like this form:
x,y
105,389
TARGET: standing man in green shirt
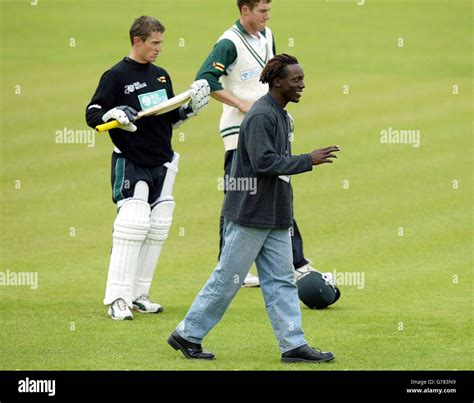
x,y
233,69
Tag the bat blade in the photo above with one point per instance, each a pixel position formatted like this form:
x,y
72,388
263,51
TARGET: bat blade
x,y
167,106
160,109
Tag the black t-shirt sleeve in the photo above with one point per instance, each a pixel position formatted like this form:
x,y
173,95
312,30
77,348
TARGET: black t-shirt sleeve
x,y
103,100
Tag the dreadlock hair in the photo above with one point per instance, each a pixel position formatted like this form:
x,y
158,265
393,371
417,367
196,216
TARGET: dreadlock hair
x,y
275,68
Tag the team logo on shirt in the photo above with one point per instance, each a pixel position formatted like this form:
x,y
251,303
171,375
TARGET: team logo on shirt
x,y
161,79
248,74
219,66
129,88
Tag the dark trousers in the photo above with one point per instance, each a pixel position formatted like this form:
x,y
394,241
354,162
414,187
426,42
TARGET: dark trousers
x,y
296,239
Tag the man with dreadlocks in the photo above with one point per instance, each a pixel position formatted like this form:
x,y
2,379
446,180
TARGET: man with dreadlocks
x,y
232,70
258,222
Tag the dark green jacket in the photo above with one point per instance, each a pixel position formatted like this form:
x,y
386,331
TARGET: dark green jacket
x,y
263,155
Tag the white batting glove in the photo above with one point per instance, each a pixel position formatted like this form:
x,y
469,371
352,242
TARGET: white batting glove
x,y
125,115
200,93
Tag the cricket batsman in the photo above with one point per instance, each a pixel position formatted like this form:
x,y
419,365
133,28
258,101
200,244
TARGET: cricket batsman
x,y
144,165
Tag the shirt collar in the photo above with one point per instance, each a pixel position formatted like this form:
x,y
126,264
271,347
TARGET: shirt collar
x,y
134,63
242,29
277,105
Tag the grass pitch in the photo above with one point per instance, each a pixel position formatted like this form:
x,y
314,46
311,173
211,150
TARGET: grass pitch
x,y
399,215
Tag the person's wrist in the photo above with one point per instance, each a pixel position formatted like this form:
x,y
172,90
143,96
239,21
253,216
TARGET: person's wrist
x,y
186,112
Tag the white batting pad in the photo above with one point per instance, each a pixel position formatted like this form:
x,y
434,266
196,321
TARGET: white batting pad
x,y
130,230
172,170
161,218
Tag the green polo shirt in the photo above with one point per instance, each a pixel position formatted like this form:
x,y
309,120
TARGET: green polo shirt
x,y
222,55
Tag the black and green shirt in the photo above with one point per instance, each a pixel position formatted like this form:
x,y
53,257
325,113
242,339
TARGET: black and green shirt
x,y
139,85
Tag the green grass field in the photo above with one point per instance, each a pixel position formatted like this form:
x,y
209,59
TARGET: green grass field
x,y
414,310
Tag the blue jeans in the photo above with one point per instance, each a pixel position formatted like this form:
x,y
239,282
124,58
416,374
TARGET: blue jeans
x,y
270,249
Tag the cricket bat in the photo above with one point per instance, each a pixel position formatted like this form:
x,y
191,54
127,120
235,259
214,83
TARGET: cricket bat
x,y
164,107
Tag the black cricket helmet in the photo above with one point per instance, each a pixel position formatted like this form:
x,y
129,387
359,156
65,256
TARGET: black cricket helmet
x,y
316,290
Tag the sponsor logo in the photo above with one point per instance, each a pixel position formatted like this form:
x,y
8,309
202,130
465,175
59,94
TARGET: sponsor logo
x,y
129,88
248,74
151,99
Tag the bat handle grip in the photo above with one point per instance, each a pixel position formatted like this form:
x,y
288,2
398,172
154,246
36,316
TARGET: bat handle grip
x,y
107,126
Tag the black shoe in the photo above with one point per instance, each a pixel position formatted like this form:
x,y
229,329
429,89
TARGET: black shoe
x,y
190,350
306,354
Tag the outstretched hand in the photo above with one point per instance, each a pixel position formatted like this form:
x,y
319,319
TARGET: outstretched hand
x,y
324,155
